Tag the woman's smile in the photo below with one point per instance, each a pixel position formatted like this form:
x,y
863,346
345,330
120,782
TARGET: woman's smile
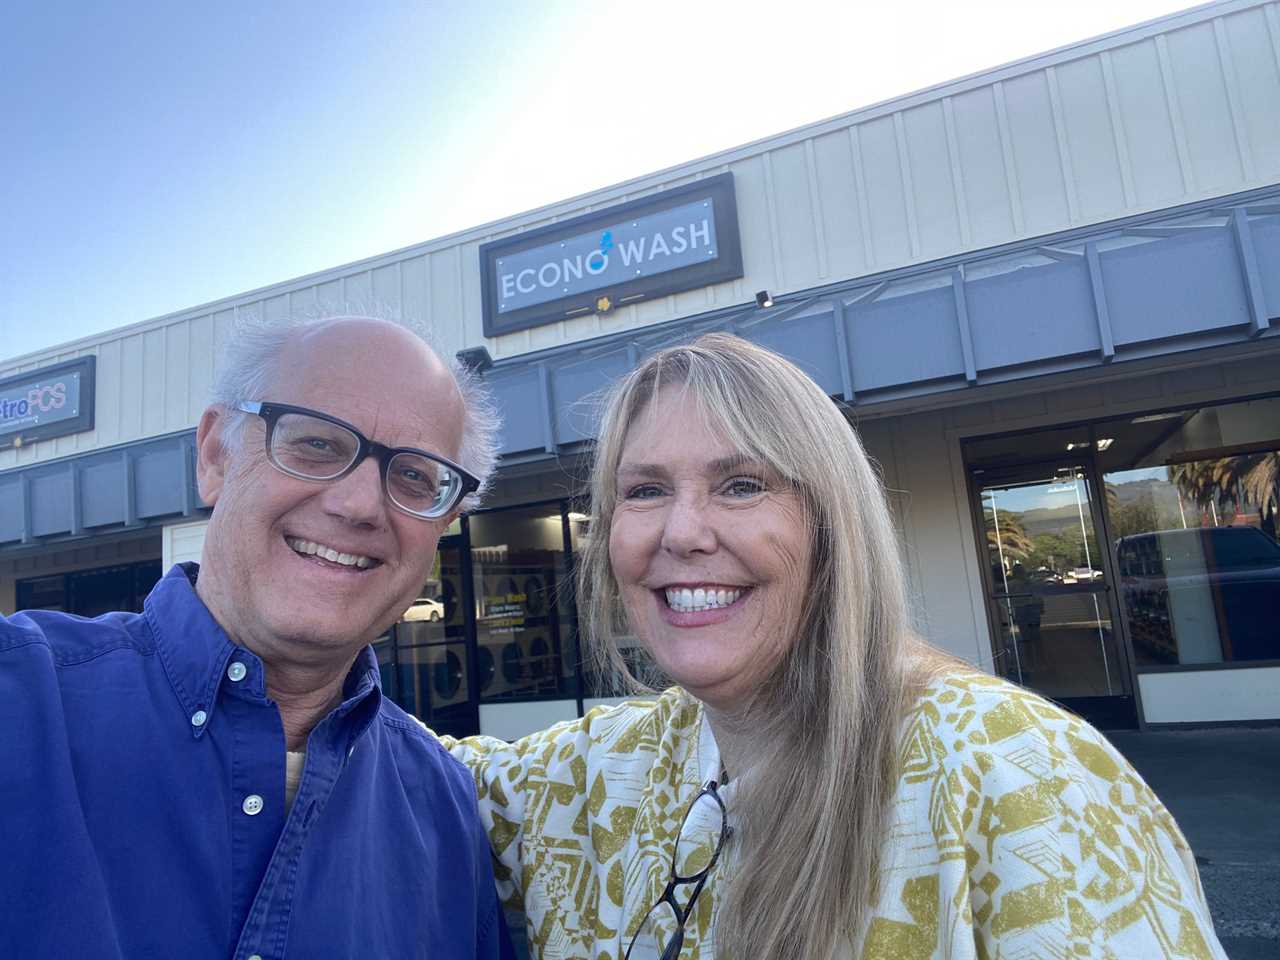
x,y
700,605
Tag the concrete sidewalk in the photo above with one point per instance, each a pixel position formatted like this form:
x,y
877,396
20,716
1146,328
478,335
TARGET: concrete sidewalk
x,y
1223,786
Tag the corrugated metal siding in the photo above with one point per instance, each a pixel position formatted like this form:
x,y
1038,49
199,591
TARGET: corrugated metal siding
x,y
1172,112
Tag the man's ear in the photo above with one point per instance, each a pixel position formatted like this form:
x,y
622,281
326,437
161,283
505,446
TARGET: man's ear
x,y
212,459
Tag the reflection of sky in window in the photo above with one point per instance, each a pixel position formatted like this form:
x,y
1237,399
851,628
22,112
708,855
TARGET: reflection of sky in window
x,y
1142,473
1040,496
1047,496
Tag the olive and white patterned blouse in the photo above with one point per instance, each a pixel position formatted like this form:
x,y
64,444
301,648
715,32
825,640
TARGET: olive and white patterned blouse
x,y
1017,832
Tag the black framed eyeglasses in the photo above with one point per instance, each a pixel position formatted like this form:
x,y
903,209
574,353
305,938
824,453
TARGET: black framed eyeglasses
x,y
311,445
703,834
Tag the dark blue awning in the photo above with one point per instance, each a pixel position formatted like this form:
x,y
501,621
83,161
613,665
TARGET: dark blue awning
x,y
125,487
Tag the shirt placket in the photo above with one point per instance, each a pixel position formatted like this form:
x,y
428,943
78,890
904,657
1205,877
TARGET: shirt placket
x,y
266,928
255,799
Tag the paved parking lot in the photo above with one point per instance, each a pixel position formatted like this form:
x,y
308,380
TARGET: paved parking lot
x,y
1223,785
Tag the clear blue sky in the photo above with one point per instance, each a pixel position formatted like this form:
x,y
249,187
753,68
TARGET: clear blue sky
x,y
155,156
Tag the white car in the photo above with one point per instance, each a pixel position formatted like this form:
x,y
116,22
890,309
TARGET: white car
x,y
424,608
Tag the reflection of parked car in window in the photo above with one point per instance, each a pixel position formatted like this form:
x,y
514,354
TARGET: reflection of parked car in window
x,y
424,608
1174,582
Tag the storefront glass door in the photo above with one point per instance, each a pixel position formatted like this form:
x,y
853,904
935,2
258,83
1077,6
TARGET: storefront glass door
x,y
1049,588
429,654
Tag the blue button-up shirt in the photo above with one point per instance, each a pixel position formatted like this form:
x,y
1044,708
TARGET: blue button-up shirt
x,y
142,805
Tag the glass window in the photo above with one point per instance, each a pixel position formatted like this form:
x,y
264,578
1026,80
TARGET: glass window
x,y
525,615
1192,501
42,593
424,662
91,593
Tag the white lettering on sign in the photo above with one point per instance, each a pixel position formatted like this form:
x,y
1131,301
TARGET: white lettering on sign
x,y
645,249
661,242
555,272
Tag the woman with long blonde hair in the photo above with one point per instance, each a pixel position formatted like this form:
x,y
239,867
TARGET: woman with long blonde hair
x,y
817,783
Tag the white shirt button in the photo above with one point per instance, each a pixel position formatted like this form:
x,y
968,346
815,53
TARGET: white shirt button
x,y
198,718
252,805
255,956
236,673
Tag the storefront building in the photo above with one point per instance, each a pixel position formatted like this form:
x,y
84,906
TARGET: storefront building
x,y
1048,297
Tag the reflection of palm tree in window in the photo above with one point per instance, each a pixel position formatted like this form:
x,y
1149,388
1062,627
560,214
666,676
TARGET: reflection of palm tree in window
x,y
1248,481
1010,541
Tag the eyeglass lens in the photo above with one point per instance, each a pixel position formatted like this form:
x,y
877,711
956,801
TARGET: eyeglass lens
x,y
319,450
699,837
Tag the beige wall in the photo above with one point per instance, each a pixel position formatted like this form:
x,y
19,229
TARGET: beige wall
x,y
183,542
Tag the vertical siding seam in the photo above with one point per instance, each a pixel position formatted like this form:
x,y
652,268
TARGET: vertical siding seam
x,y
1065,166
815,207
400,289
428,291
908,186
1175,115
772,209
1117,130
860,188
1273,30
1227,65
186,366
957,172
1010,164
460,324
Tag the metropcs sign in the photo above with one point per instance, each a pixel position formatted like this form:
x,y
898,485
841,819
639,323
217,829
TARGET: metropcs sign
x,y
49,402
676,240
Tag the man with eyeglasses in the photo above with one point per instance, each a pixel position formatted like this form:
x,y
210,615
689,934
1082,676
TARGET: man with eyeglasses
x,y
220,776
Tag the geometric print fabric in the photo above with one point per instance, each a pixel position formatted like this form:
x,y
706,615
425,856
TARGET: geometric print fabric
x,y
1017,832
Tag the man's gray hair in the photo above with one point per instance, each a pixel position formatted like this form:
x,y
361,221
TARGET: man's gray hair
x,y
247,368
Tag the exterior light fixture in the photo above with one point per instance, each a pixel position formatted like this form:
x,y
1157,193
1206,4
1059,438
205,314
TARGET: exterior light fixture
x,y
475,359
763,300
1105,442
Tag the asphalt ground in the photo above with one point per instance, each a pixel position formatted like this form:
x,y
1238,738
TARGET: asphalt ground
x,y
1223,787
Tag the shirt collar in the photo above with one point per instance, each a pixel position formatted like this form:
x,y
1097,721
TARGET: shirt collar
x,y
196,651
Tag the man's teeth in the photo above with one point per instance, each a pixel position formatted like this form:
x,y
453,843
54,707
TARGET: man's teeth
x,y
685,600
308,549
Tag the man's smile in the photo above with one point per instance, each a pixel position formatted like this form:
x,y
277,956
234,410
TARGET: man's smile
x,y
309,548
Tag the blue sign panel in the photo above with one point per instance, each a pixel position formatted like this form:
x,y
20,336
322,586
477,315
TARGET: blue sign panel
x,y
676,240
644,246
49,402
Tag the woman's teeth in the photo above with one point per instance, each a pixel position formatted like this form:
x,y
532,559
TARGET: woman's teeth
x,y
685,600
309,549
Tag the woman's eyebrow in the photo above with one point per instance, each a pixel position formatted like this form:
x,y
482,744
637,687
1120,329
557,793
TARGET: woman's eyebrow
x,y
642,470
736,462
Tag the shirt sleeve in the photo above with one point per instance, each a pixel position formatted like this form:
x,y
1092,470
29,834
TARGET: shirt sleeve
x,y
501,773
1063,841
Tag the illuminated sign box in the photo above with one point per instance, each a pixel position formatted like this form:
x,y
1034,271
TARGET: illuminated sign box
x,y
679,239
49,402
